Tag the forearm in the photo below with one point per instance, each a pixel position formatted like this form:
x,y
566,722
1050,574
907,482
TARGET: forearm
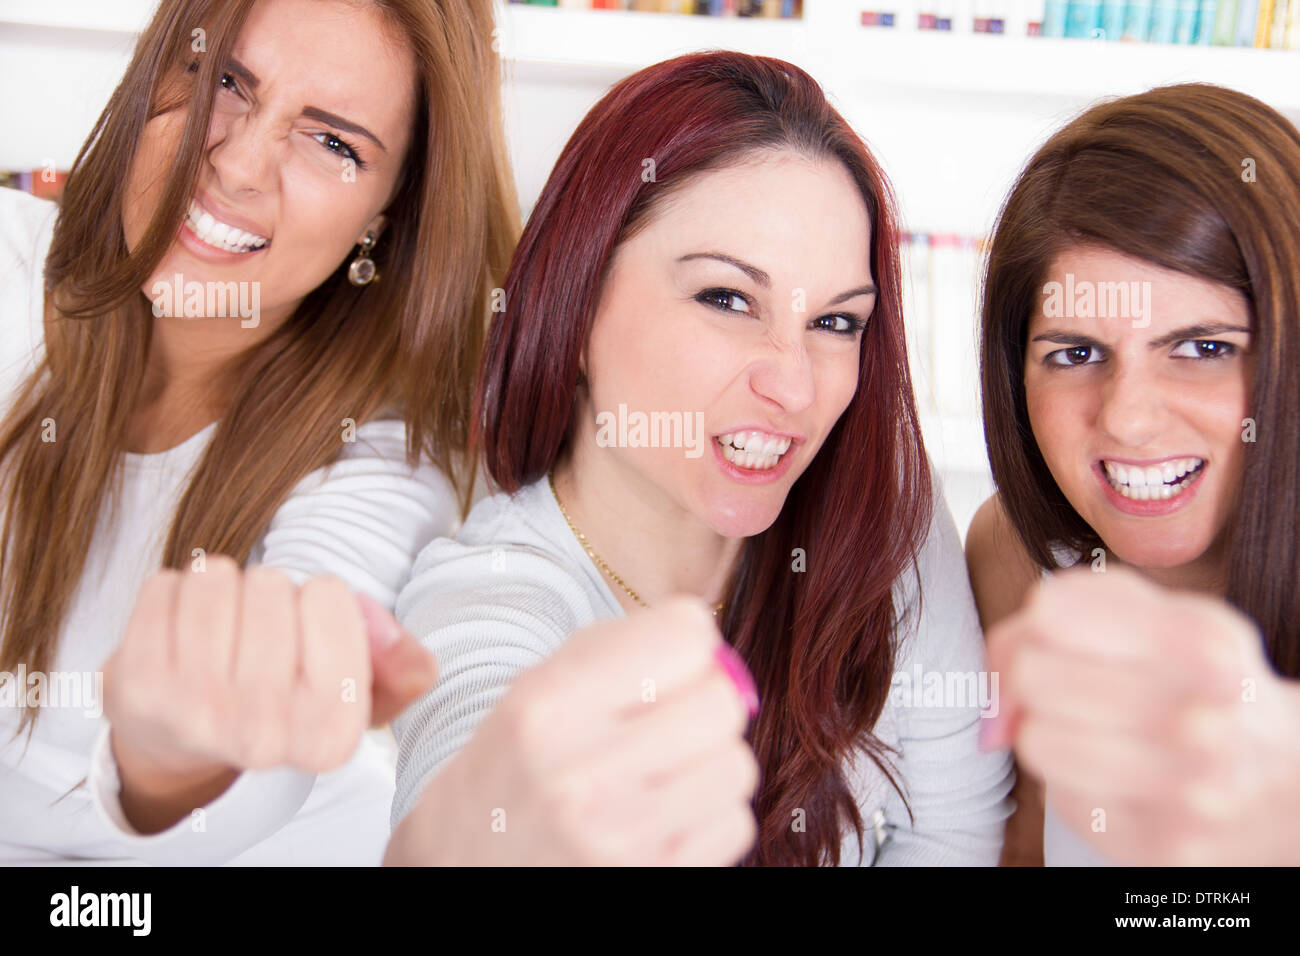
x,y
154,797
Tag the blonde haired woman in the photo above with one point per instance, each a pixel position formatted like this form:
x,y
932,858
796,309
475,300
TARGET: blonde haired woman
x,y
339,170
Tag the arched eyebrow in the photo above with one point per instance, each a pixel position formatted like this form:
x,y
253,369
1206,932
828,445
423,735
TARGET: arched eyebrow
x,y
765,280
1203,331
249,78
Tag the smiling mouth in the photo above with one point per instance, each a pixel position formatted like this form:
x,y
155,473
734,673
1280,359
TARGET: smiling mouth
x,y
757,451
219,235
1154,482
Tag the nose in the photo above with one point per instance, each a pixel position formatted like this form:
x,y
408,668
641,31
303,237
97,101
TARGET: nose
x,y
783,374
243,151
1132,409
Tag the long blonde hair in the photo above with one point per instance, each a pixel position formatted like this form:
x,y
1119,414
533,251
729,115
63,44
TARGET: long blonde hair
x,y
410,343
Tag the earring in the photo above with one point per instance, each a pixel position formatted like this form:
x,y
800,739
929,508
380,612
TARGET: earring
x,y
362,270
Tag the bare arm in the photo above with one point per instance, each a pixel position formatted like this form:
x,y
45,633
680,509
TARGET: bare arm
x,y
1001,574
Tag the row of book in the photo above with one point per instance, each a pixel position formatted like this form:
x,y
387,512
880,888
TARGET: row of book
x,y
1266,24
786,9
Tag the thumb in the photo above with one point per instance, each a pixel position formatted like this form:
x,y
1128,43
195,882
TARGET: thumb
x,y
401,668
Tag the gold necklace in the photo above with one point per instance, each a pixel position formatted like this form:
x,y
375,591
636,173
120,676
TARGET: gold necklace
x,y
599,561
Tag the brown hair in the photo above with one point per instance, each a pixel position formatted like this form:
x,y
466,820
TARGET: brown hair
x,y
1194,178
411,343
821,643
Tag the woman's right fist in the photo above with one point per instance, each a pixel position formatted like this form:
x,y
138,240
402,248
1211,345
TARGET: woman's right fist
x,y
625,747
223,670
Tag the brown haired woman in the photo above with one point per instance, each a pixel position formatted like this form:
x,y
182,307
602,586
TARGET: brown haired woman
x,y
1139,348
715,252
200,373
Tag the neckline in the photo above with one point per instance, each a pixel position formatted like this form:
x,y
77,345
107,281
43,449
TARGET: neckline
x,y
148,459
573,548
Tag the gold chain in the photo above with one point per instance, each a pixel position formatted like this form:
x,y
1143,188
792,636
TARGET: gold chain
x,y
599,561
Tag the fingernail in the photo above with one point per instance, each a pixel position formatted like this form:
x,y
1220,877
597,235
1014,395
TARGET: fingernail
x,y
381,627
740,676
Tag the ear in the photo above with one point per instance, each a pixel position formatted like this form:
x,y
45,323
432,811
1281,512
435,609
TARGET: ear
x,y
375,226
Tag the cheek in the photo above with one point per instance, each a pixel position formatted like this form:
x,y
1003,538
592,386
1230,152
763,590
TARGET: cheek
x,y
148,175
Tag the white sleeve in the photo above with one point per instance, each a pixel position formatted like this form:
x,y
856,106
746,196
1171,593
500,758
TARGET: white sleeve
x,y
362,519
488,615
958,794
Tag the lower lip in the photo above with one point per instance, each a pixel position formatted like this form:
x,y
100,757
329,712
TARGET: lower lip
x,y
751,476
198,247
1149,509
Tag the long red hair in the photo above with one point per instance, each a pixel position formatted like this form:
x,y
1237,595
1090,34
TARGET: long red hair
x,y
821,643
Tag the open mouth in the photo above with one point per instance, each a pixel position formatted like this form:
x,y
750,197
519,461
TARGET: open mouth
x,y
1154,482
755,450
219,235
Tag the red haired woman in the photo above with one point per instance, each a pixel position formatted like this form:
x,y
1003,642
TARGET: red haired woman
x,y
1140,342
699,385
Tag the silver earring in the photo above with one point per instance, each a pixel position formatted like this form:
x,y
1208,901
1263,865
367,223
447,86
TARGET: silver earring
x,y
362,270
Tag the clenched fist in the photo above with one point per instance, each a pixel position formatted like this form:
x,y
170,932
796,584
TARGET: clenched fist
x,y
224,670
578,765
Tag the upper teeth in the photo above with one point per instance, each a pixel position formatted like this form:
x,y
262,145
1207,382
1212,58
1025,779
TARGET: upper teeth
x,y
220,235
752,449
1154,481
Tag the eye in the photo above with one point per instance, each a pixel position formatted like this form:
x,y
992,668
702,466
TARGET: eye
x,y
1075,355
340,146
840,324
1204,349
724,299
228,83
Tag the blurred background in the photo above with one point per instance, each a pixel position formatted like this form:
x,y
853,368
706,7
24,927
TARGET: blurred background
x,y
951,95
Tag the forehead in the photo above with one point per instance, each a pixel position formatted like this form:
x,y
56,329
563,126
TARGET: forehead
x,y
1082,280
788,214
343,57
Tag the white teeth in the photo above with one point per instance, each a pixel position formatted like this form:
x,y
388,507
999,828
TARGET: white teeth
x,y
1154,483
757,450
220,235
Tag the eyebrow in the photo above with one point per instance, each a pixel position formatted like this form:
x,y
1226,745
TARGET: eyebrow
x,y
311,112
765,280
1178,335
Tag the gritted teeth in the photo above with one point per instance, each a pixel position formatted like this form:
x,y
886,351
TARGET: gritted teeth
x,y
753,449
1153,482
220,235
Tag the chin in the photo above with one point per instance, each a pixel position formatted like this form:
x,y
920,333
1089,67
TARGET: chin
x,y
1154,550
740,515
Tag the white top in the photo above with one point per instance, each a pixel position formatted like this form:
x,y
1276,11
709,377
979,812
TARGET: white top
x,y
363,519
514,583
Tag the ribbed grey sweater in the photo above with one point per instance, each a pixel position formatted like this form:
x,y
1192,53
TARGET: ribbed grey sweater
x,y
515,583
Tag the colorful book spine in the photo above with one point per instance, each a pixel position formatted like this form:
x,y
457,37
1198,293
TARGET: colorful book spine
x,y
1263,25
1205,21
1164,21
1112,18
1293,26
1185,24
1137,21
1277,33
1054,12
1083,18
1225,23
1247,20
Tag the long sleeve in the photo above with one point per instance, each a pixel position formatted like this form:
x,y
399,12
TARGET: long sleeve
x,y
958,794
362,519
488,614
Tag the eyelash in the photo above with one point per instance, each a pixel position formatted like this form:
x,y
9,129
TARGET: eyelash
x,y
350,153
1224,350
856,325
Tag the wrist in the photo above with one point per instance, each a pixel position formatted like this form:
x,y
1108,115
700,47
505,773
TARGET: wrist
x,y
156,791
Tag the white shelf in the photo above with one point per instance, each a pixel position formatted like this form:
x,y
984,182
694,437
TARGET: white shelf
x,y
831,45
104,16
